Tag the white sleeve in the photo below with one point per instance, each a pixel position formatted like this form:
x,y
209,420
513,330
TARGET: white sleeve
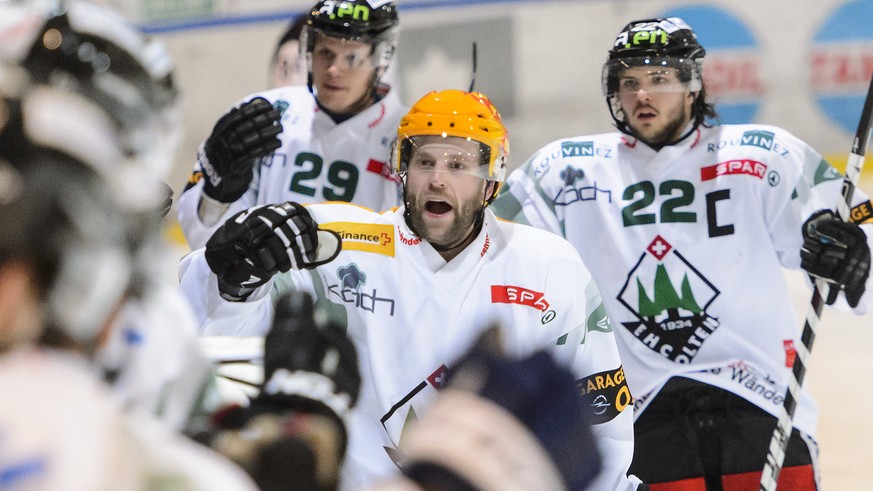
x,y
522,199
590,350
215,315
812,192
600,374
196,231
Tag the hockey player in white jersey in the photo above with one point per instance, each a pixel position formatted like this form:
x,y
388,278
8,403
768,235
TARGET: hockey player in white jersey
x,y
329,142
66,256
686,227
415,286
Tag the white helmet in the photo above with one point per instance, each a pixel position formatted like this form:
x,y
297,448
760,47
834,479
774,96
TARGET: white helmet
x,y
90,49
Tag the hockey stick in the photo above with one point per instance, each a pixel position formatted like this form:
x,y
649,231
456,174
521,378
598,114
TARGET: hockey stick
x,y
779,441
473,75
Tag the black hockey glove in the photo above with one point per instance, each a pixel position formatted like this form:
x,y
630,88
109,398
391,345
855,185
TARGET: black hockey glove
x,y
837,252
310,365
243,135
293,434
257,243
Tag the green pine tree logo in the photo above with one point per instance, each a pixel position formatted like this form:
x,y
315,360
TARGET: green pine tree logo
x,y
666,298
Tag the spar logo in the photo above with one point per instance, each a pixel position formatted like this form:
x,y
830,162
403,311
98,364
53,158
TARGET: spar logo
x,y
732,66
669,298
841,63
733,167
523,296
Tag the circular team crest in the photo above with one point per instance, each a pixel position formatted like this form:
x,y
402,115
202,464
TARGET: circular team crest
x,y
732,66
841,63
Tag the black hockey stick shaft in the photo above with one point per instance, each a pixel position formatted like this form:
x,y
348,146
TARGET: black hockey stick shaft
x,y
784,425
475,65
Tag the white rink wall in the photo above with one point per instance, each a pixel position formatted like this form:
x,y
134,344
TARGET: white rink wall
x,y
540,61
780,62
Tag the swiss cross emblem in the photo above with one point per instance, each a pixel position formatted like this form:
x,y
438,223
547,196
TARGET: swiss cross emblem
x,y
659,247
438,378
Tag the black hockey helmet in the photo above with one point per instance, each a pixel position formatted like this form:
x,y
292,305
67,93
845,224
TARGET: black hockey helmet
x,y
365,21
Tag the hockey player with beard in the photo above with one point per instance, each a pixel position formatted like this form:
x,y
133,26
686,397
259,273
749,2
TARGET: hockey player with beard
x,y
415,286
686,227
327,142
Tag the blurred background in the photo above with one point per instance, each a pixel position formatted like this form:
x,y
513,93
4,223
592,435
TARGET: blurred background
x,y
803,65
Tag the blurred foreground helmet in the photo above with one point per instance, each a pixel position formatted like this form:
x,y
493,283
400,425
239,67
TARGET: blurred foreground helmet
x,y
450,114
59,216
656,44
91,50
364,21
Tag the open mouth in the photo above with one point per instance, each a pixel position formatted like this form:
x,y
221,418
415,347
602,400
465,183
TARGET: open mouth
x,y
437,207
645,115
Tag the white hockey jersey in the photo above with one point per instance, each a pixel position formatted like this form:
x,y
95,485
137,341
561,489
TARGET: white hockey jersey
x,y
686,245
319,160
64,430
411,315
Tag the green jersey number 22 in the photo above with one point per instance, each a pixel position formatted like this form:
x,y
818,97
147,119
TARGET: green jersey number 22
x,y
674,209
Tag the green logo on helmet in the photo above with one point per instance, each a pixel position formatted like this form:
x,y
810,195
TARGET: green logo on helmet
x,y
343,10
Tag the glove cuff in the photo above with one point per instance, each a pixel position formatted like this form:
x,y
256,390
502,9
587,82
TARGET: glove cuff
x,y
233,293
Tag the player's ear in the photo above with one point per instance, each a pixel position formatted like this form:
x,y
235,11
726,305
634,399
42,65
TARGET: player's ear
x,y
491,188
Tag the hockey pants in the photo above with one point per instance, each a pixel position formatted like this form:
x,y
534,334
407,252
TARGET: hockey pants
x,y
696,437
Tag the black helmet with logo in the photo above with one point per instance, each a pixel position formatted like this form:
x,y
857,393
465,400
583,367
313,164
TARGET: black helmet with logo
x,y
657,38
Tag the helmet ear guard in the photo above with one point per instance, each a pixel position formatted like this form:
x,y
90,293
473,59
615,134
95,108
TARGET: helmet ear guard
x,y
456,113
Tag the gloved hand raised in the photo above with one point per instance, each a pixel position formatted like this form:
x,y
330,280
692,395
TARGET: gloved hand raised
x,y
293,435
257,243
837,252
243,135
309,364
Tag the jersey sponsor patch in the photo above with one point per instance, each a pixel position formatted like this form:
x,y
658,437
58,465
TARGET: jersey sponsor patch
x,y
381,168
523,296
577,149
734,167
519,295
862,213
606,394
377,238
